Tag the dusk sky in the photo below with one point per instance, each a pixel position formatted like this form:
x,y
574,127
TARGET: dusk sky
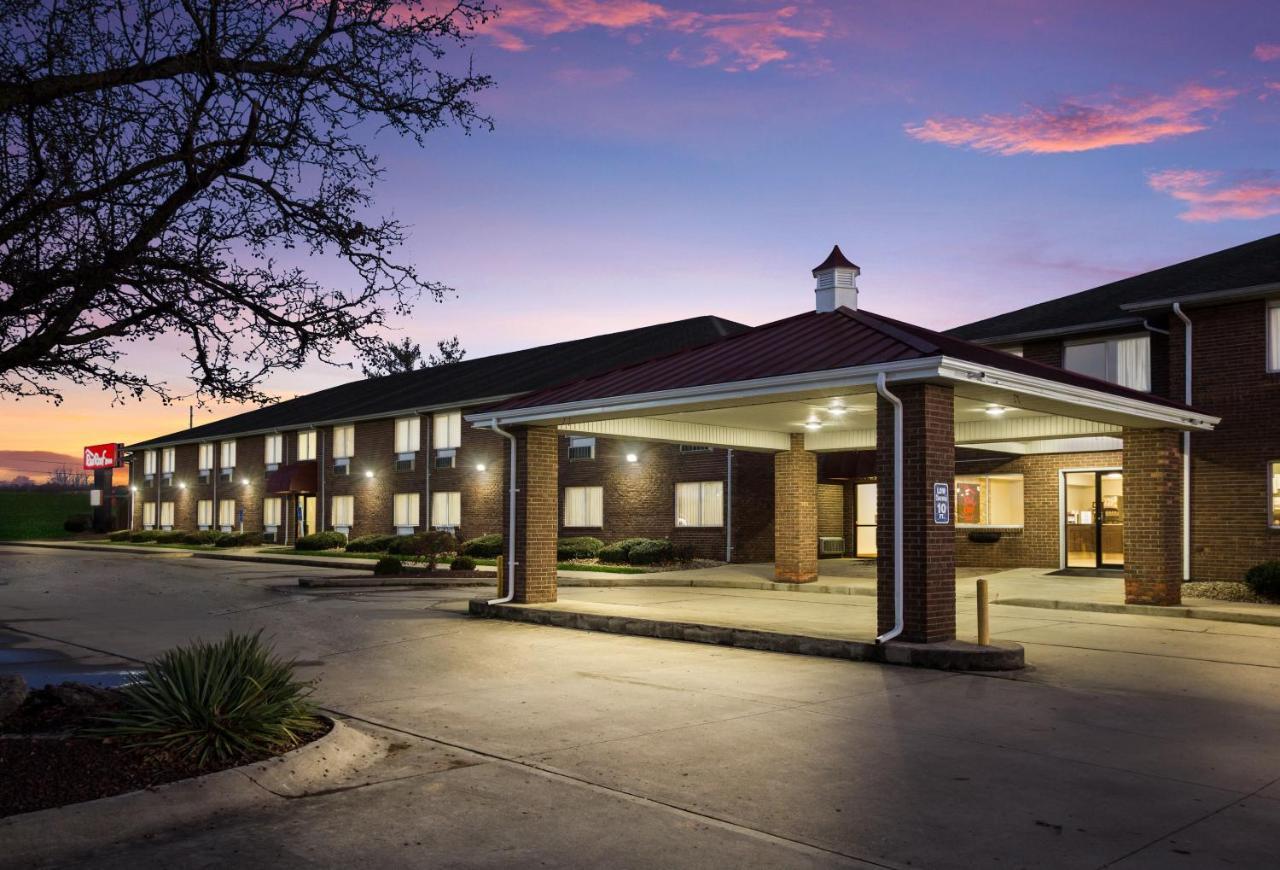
x,y
659,160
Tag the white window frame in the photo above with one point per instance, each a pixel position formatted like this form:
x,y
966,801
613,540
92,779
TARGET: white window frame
x,y
168,460
306,445
149,460
1111,357
204,513
586,503
446,430
149,514
227,454
343,512
273,450
406,510
985,508
272,512
226,518
344,441
408,435
446,509
204,457
167,514
1273,335
704,487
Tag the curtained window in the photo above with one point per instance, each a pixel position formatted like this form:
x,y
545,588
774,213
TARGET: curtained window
x,y
700,504
584,507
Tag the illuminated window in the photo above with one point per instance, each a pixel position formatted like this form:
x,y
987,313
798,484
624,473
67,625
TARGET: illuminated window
x,y
204,460
168,460
1273,337
405,510
700,504
166,514
227,512
271,512
227,454
204,513
1274,513
1124,361
306,445
446,431
272,450
584,507
989,500
149,462
149,514
446,510
343,511
408,434
344,442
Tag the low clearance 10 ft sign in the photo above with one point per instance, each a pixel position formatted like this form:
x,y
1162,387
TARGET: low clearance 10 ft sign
x,y
101,456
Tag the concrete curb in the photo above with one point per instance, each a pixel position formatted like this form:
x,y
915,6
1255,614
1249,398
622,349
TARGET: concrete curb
x,y
948,656
61,832
392,581
1176,612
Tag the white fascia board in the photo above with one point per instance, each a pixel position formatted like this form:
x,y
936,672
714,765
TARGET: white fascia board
x,y
717,395
682,432
1030,429
1235,294
827,440
1081,397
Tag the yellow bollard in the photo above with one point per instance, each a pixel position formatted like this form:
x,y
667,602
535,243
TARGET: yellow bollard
x,y
984,615
502,587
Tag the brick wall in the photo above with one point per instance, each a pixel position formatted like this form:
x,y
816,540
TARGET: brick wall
x,y
1152,523
831,511
537,523
795,495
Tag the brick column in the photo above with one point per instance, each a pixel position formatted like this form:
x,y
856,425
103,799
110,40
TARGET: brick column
x,y
795,510
929,457
537,510
1152,516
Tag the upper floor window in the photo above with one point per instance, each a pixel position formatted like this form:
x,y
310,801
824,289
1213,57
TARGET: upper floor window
x,y
989,500
149,462
227,454
344,442
168,460
273,449
1125,360
408,434
447,431
1273,337
306,445
204,460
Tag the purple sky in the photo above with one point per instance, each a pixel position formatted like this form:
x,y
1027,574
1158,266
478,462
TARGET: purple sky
x,y
661,160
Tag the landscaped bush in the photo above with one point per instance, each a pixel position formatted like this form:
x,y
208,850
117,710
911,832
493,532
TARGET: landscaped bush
x,y
578,548
204,538
77,524
216,701
119,536
650,552
370,544
462,563
483,547
174,537
238,539
1264,579
619,551
425,547
321,541
142,536
388,565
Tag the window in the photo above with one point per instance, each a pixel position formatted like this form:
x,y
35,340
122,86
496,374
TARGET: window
x,y
343,511
582,448
227,512
446,458
273,450
204,513
227,454
166,514
344,442
1125,361
447,431
149,514
408,434
584,507
405,510
204,459
271,512
168,460
1273,337
1273,513
446,509
700,503
989,500
306,445
149,463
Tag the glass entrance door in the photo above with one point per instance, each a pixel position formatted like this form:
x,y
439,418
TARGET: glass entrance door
x,y
306,515
864,524
1094,519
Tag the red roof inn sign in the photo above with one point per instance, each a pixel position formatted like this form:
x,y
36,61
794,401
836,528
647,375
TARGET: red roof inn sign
x,y
103,456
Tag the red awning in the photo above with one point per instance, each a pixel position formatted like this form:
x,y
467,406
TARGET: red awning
x,y
294,477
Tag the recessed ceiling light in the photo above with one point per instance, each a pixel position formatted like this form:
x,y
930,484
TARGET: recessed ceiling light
x,y
837,409
994,411
813,423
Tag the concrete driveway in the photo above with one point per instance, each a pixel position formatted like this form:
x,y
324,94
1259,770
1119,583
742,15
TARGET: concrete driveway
x,y
1134,742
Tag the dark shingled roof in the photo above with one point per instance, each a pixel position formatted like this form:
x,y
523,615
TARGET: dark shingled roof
x,y
809,342
1246,265
465,382
835,260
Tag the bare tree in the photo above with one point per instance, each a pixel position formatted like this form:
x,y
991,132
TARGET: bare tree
x,y
390,357
166,165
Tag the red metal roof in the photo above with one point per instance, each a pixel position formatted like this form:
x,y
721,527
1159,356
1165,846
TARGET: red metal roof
x,y
809,342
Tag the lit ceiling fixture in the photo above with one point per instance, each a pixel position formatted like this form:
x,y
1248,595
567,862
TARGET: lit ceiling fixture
x,y
837,408
995,411
813,423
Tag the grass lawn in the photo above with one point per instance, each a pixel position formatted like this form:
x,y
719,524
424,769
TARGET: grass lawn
x,y
161,546
27,515
563,566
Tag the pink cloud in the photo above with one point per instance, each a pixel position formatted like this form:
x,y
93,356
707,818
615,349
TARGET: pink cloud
x,y
1081,125
734,40
1267,51
1212,196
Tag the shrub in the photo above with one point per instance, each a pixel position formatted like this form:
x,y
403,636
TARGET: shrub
x,y
215,702
650,552
142,536
205,538
370,544
119,536
462,563
238,539
618,551
77,524
483,547
387,565
321,541
1264,579
170,537
578,548
425,547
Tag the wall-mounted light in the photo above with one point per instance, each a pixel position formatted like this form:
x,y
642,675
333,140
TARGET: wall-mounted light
x,y
995,411
244,481
368,474
182,486
631,457
479,466
133,489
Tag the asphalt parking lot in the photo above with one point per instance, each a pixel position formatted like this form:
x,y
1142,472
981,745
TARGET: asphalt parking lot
x,y
1132,742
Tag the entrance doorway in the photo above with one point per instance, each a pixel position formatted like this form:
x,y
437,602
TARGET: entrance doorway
x,y
306,515
1093,519
864,524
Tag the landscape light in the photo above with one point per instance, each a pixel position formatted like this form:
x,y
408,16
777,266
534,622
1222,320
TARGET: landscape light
x,y
994,411
631,457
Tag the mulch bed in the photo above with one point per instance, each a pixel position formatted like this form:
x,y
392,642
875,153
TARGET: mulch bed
x,y
1223,590
43,763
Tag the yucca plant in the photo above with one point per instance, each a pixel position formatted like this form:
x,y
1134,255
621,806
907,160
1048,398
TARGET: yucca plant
x,y
212,702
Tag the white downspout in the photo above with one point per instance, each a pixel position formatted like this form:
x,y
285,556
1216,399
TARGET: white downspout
x,y
728,506
897,510
511,519
1186,448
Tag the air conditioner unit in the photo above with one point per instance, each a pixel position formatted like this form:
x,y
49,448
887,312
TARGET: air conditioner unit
x,y
830,546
